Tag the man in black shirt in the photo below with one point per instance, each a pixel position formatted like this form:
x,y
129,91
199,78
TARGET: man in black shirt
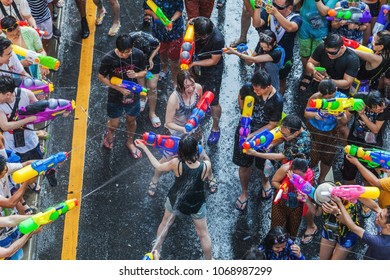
x,y
126,63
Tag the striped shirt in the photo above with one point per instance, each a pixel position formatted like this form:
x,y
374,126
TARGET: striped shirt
x,y
39,10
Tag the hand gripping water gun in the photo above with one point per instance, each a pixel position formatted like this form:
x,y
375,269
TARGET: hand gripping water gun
x,y
167,145
199,111
283,191
51,214
246,118
352,15
35,85
133,87
148,257
380,23
46,110
188,47
374,158
302,185
335,106
37,58
262,139
159,13
352,192
40,32
38,167
355,45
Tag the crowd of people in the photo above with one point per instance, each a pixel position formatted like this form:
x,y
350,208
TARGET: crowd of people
x,y
335,65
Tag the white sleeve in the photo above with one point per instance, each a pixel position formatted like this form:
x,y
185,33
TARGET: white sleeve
x,y
3,153
12,167
15,65
25,8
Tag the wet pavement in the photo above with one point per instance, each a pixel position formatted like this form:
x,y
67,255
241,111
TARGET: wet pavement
x,y
118,220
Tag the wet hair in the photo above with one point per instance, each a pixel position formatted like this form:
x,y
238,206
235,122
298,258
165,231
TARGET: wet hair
x,y
188,149
327,87
4,44
3,163
7,84
261,78
203,26
8,22
124,42
384,40
181,77
300,164
271,40
254,253
276,235
333,40
292,122
373,99
289,3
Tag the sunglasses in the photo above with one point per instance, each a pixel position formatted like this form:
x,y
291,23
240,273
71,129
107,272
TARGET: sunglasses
x,y
281,239
12,28
280,8
353,1
333,53
265,38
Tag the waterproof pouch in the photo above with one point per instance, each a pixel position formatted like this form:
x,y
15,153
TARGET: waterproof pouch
x,y
19,140
292,201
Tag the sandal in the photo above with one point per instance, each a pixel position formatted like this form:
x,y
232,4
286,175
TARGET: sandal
x,y
147,20
60,3
135,154
29,210
214,137
106,143
266,194
221,4
308,235
211,185
142,103
152,188
305,82
34,187
100,17
241,205
114,29
156,122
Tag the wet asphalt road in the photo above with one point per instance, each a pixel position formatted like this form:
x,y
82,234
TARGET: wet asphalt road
x,y
118,220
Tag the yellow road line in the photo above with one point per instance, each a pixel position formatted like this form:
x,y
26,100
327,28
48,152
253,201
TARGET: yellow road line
x,y
71,227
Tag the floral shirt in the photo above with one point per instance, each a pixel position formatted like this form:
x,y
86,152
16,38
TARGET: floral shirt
x,y
286,254
299,145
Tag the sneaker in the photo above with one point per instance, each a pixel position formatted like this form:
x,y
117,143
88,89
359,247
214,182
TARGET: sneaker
x,y
56,32
84,28
214,137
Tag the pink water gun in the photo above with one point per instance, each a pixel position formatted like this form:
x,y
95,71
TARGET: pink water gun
x,y
302,185
352,192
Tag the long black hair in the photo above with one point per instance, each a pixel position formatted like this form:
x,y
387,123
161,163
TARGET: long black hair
x,y
188,149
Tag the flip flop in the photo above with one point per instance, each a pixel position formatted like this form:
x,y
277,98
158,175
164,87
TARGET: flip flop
x,y
107,144
152,189
311,237
268,193
34,187
114,30
241,205
212,186
156,122
137,154
100,17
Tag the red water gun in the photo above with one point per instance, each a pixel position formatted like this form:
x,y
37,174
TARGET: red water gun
x,y
199,111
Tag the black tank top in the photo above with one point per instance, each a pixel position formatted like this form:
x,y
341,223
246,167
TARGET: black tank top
x,y
374,74
187,193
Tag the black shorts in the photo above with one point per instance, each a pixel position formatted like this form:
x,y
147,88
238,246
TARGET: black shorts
x,y
242,159
156,67
349,170
283,73
374,8
211,82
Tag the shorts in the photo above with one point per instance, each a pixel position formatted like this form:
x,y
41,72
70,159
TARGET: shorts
x,y
211,82
307,46
115,110
156,67
348,241
241,159
283,73
35,153
48,27
171,49
6,242
349,170
197,8
200,215
374,8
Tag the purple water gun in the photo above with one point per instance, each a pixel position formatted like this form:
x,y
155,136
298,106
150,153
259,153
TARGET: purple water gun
x,y
380,23
35,85
352,15
46,110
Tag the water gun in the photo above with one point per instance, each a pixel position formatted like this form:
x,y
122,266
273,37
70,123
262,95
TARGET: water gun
x,y
149,75
262,139
199,111
37,58
352,192
283,191
133,87
335,106
246,118
240,48
188,47
159,13
40,32
167,145
46,110
302,185
35,85
148,257
38,167
352,15
355,45
51,214
381,20
374,158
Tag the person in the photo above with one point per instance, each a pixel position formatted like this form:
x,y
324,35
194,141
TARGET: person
x,y
378,244
278,246
116,25
187,195
150,47
350,30
374,6
267,55
9,62
11,243
341,64
221,4
170,37
288,212
81,7
18,9
267,112
27,38
126,63
208,68
281,19
196,8
366,130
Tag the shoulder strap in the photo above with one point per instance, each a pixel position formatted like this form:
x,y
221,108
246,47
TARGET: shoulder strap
x,y
18,92
3,9
178,168
17,11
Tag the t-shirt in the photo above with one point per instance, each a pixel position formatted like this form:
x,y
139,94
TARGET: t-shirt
x,y
214,42
21,5
378,246
384,197
287,39
275,54
114,66
39,10
169,8
14,65
299,145
33,42
145,42
264,111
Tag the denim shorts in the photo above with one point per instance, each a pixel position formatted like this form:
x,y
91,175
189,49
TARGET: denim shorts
x,y
200,215
347,241
115,110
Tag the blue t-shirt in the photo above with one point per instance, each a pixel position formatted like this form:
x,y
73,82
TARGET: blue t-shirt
x,y
378,246
169,8
286,254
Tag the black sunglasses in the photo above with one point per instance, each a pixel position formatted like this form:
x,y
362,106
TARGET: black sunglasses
x,y
333,53
12,28
280,8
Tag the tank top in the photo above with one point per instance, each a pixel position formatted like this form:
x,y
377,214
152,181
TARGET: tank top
x,y
187,193
373,74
